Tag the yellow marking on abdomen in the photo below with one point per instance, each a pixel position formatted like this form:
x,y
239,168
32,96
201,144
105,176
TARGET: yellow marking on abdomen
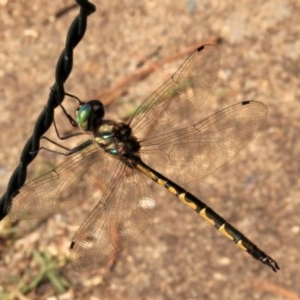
x,y
182,197
241,245
148,173
172,190
161,182
225,232
202,213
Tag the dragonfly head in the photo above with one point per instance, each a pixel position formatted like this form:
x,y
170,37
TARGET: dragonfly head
x,y
89,115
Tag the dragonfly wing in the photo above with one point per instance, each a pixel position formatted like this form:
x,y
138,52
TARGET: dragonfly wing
x,y
195,151
57,190
124,211
181,96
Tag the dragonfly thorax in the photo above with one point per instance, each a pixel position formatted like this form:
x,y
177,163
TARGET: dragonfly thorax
x,y
117,139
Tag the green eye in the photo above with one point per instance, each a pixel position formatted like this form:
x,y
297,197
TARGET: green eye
x,y
83,115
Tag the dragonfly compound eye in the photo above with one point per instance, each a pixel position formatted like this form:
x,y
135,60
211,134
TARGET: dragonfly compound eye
x,y
83,115
97,107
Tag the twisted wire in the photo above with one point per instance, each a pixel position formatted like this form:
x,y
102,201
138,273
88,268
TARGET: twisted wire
x,y
63,69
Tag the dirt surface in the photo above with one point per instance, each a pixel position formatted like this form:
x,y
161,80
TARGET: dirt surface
x,y
179,256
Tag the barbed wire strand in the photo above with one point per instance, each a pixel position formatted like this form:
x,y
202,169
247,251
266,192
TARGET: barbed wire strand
x,y
63,69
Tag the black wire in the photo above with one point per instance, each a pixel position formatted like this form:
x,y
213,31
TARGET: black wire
x,y
63,69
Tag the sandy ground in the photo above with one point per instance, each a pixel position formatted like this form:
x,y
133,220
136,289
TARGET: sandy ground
x,y
179,256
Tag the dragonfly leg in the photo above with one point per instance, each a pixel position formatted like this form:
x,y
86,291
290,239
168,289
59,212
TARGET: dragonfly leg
x,y
68,150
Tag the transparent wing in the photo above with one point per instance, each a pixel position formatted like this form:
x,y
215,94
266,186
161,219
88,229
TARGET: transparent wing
x,y
61,188
124,211
195,151
179,97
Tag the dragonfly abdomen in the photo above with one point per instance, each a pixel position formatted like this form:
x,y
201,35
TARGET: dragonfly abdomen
x,y
208,214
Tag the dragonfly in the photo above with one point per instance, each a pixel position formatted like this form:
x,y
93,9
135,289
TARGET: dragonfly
x,y
162,145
